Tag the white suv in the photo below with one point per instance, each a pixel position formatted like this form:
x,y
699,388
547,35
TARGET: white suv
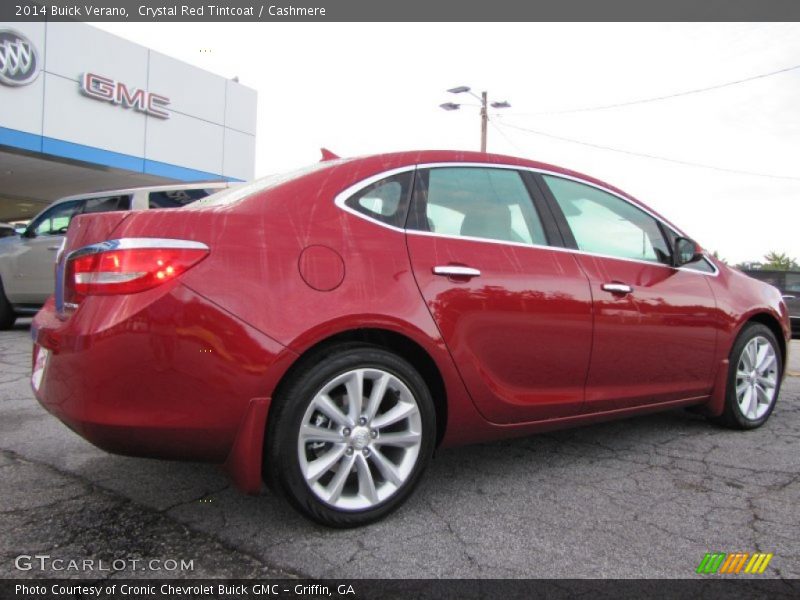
x,y
26,260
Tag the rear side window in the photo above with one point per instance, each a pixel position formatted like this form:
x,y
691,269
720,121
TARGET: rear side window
x,y
476,202
385,200
107,204
176,198
605,224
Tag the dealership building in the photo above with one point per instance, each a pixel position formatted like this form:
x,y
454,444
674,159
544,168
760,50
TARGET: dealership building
x,y
83,110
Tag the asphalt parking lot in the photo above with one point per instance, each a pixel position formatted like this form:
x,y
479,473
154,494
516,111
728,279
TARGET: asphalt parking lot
x,y
645,497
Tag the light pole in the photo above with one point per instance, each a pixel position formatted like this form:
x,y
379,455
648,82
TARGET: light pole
x,y
484,104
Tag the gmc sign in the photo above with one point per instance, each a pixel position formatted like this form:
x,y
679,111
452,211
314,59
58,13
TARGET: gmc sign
x,y
109,90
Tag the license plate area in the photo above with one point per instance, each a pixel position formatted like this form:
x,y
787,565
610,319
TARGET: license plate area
x,y
40,361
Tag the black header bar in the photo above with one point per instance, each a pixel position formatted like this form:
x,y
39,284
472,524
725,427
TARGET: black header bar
x,y
152,11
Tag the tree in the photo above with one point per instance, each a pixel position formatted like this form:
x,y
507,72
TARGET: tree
x,y
716,255
780,261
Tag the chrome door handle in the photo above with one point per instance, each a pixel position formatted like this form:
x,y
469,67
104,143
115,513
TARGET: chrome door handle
x,y
617,288
456,271
789,297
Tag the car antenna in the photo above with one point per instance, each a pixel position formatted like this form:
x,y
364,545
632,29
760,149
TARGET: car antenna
x,y
328,155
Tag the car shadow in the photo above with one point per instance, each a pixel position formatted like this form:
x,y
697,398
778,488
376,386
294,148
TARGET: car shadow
x,y
199,493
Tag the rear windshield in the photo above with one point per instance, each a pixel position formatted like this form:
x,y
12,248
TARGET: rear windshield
x,y
239,192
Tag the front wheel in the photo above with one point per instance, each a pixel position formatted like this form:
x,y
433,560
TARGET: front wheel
x,y
754,378
350,436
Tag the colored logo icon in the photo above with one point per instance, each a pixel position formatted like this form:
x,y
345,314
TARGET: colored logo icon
x,y
735,563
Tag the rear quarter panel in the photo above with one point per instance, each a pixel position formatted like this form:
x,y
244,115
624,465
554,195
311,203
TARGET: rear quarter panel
x,y
253,272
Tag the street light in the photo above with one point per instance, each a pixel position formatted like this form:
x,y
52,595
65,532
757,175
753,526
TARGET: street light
x,y
463,89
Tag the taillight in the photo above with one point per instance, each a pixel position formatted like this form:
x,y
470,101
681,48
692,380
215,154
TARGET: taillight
x,y
127,266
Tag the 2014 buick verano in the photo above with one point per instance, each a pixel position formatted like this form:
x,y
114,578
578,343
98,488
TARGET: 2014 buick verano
x,y
329,328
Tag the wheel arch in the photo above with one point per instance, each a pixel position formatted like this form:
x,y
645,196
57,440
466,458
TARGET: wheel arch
x,y
716,408
773,324
396,342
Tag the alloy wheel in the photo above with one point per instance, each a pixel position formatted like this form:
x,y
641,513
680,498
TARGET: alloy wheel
x,y
756,378
359,439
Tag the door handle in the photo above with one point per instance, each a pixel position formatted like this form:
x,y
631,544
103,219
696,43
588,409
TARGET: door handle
x,y
53,248
617,288
456,271
789,297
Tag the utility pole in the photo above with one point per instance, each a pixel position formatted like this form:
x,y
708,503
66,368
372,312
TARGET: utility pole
x,y
484,105
484,121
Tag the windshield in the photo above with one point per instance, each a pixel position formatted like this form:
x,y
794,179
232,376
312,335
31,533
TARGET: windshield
x,y
239,192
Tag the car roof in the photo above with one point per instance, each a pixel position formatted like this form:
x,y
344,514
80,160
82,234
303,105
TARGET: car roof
x,y
152,188
419,157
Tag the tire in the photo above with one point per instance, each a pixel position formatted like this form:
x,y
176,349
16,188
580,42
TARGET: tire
x,y
7,316
390,449
739,411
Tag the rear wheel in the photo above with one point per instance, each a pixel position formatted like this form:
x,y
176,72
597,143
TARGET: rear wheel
x,y
754,378
7,316
350,436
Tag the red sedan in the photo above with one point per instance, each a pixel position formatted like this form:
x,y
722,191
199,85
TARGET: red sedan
x,y
327,329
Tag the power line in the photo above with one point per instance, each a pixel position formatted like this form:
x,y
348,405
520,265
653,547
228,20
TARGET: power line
x,y
651,156
659,98
506,138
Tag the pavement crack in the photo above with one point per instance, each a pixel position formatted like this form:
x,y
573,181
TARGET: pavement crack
x,y
117,503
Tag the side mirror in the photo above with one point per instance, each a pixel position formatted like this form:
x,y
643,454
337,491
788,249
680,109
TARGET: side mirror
x,y
685,251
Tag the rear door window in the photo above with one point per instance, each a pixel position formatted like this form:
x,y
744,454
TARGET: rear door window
x,y
476,202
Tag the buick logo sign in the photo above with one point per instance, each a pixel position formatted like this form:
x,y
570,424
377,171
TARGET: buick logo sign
x,y
19,60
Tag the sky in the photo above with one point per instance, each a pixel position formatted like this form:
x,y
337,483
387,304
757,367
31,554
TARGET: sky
x,y
368,88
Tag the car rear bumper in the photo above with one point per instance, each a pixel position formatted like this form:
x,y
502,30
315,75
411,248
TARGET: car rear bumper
x,y
166,376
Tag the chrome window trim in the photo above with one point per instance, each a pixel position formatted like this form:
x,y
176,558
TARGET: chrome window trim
x,y
136,243
345,194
